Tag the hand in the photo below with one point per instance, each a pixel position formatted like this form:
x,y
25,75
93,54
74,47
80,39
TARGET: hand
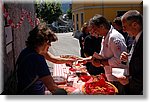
x,y
123,80
70,61
124,56
97,56
82,61
60,91
96,62
85,60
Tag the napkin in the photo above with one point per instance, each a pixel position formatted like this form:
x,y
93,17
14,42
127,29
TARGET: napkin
x,y
118,72
76,92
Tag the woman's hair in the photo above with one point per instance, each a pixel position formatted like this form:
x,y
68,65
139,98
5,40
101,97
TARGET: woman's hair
x,y
40,34
117,20
84,27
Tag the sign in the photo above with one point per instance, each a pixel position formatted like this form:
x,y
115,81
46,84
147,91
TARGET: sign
x,y
8,38
8,34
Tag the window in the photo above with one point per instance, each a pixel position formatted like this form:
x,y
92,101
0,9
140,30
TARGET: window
x,y
77,26
120,13
73,18
82,19
77,17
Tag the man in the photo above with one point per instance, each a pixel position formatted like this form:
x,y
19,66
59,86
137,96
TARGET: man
x,y
133,24
117,24
113,44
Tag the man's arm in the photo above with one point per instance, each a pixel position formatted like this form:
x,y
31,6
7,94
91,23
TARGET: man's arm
x,y
98,60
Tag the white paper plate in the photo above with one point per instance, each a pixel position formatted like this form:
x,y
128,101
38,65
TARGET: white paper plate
x,y
118,72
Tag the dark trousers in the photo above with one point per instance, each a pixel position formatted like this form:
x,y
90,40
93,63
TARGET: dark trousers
x,y
120,87
92,70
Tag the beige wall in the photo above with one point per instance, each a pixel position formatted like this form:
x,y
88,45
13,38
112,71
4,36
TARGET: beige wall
x,y
104,7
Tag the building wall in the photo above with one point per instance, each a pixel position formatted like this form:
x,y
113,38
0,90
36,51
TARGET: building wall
x,y
19,35
104,7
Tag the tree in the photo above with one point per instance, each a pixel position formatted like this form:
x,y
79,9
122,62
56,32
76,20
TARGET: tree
x,y
69,13
48,11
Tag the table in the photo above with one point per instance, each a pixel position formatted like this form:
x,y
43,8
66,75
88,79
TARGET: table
x,y
63,70
76,87
60,70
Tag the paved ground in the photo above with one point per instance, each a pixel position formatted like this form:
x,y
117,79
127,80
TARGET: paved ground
x,y
66,44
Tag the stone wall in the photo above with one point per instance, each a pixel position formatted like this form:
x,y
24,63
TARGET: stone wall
x,y
19,35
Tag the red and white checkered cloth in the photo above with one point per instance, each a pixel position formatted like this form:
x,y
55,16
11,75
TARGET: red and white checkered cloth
x,y
60,70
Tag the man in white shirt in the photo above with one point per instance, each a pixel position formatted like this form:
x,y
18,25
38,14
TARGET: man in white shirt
x,y
113,44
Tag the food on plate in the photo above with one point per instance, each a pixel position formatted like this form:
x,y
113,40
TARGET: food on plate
x,y
79,69
70,57
59,80
80,73
77,65
72,69
97,85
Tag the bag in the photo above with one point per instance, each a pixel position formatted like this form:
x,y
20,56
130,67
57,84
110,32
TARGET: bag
x,y
10,87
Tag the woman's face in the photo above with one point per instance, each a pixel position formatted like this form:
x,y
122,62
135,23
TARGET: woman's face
x,y
44,48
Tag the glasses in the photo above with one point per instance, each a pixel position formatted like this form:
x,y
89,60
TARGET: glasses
x,y
48,43
93,29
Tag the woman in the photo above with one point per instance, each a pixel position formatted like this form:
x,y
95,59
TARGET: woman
x,y
84,33
92,44
33,73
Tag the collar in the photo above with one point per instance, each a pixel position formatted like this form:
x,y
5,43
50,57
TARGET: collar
x,y
138,36
110,31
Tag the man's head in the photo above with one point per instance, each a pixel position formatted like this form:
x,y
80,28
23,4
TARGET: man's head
x,y
117,24
99,25
39,35
132,22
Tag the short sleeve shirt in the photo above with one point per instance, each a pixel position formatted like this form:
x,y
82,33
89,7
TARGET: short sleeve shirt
x,y
92,44
30,65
